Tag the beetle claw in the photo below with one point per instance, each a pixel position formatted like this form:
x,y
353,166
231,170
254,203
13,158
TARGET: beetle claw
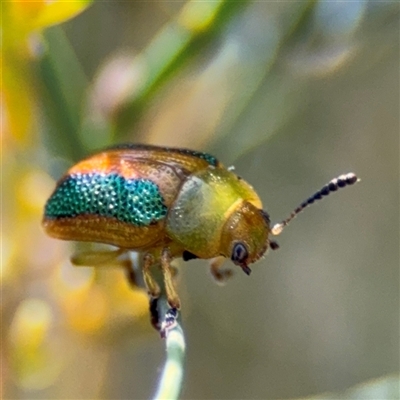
x,y
169,323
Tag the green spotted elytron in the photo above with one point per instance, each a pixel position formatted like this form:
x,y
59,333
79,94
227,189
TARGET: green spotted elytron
x,y
165,203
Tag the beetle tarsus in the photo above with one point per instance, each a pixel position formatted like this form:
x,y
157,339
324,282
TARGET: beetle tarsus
x,y
169,323
220,275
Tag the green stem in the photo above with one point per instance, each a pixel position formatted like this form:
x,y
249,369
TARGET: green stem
x,y
170,384
171,48
62,96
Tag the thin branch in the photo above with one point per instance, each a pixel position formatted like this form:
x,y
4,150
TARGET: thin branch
x,y
170,383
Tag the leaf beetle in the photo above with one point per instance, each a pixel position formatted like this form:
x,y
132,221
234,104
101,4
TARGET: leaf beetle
x,y
165,203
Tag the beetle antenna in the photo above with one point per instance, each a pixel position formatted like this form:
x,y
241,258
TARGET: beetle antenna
x,y
335,184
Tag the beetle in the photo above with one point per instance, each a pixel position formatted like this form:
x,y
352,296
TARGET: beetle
x,y
165,203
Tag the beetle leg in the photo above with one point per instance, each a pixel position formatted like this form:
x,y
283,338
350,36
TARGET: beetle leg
x,y
220,275
169,321
172,296
151,284
130,273
174,271
102,258
107,258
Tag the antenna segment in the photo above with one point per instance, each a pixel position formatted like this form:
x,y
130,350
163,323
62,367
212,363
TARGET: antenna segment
x,y
335,184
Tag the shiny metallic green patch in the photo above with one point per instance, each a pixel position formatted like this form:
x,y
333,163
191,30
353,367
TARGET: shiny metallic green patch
x,y
135,201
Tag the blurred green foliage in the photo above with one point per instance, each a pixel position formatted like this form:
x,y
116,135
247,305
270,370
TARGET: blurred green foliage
x,y
293,93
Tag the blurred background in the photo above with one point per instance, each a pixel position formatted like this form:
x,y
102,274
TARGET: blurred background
x,y
290,93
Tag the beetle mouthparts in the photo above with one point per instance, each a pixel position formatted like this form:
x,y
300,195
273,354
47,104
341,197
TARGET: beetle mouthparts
x,y
246,270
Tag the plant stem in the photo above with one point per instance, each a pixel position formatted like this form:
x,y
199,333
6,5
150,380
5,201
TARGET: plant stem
x,y
170,383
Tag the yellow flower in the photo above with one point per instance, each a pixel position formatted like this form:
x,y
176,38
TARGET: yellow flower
x,y
99,302
21,24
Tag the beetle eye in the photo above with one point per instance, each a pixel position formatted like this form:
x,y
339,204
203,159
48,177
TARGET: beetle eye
x,y
239,253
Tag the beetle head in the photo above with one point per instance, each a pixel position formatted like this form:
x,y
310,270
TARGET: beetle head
x,y
245,235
